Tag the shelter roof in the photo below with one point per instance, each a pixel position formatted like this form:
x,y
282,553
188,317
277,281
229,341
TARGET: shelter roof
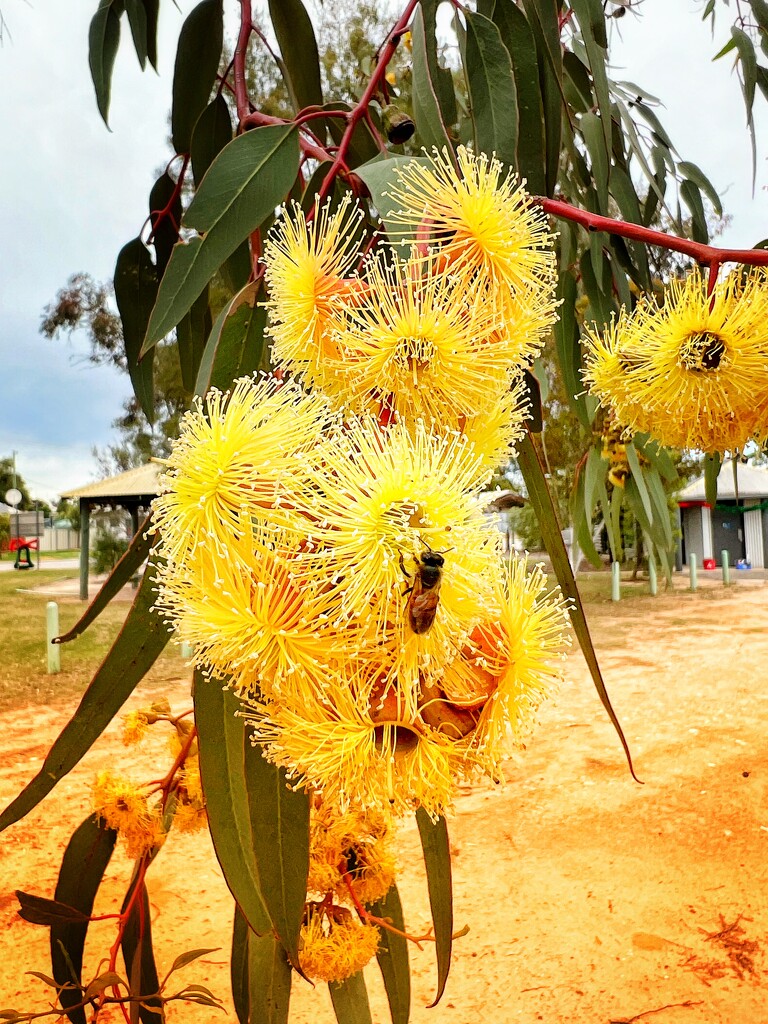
x,y
752,483
141,482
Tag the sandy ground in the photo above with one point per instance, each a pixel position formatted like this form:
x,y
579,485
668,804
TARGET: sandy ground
x,y
590,898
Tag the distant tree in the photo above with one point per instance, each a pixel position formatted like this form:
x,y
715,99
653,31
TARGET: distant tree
x,y
9,479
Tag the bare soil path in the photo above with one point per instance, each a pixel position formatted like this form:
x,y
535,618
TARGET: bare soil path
x,y
590,898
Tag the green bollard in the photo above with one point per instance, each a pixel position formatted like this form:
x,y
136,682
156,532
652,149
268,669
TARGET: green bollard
x,y
726,569
52,630
692,571
652,582
615,581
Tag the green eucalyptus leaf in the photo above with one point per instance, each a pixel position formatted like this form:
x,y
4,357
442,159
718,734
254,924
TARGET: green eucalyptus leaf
x,y
246,181
298,47
691,196
237,344
269,980
135,283
191,335
441,77
700,179
591,21
639,481
544,19
518,38
139,955
594,138
213,131
492,91
392,956
103,42
280,842
426,109
238,967
137,20
543,506
85,860
350,1000
222,740
135,650
623,191
566,332
197,61
437,861
152,9
379,177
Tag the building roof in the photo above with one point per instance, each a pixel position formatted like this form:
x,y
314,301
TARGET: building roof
x,y
141,482
752,483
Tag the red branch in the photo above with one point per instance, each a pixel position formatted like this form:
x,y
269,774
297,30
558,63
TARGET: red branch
x,y
709,255
241,89
360,109
308,147
156,217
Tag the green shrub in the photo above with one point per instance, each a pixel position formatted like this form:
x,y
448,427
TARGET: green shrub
x,y
107,551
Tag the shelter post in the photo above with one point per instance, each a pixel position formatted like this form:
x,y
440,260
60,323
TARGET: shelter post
x,y
85,530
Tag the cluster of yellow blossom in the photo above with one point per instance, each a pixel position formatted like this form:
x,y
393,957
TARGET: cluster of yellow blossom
x,y
143,814
324,546
351,865
691,367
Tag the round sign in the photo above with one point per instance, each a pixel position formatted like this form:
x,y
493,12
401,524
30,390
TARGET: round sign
x,y
13,496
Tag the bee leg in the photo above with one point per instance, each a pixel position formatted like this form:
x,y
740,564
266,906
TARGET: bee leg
x,y
407,590
402,566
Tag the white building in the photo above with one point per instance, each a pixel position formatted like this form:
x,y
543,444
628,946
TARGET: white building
x,y
738,523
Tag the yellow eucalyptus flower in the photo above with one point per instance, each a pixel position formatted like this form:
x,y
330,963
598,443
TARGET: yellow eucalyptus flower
x,y
510,664
476,217
135,725
423,341
380,496
306,267
689,372
357,747
228,463
123,806
357,845
333,945
248,616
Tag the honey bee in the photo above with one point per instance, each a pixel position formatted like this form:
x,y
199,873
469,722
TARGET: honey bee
x,y
425,590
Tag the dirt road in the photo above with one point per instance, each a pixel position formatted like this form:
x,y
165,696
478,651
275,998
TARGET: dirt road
x,y
590,898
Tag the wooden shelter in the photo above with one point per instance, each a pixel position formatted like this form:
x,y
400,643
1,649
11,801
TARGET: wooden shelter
x,y
132,490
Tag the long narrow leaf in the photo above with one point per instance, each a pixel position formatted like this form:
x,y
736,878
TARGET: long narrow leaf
x,y
83,865
543,505
392,956
437,860
139,956
221,737
350,1000
280,842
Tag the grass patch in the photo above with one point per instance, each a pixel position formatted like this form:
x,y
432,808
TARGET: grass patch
x,y
23,662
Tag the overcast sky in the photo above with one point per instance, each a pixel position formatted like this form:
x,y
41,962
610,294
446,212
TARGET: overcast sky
x,y
73,193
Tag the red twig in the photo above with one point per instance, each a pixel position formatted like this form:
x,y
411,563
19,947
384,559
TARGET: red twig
x,y
257,118
359,111
710,255
241,90
156,217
